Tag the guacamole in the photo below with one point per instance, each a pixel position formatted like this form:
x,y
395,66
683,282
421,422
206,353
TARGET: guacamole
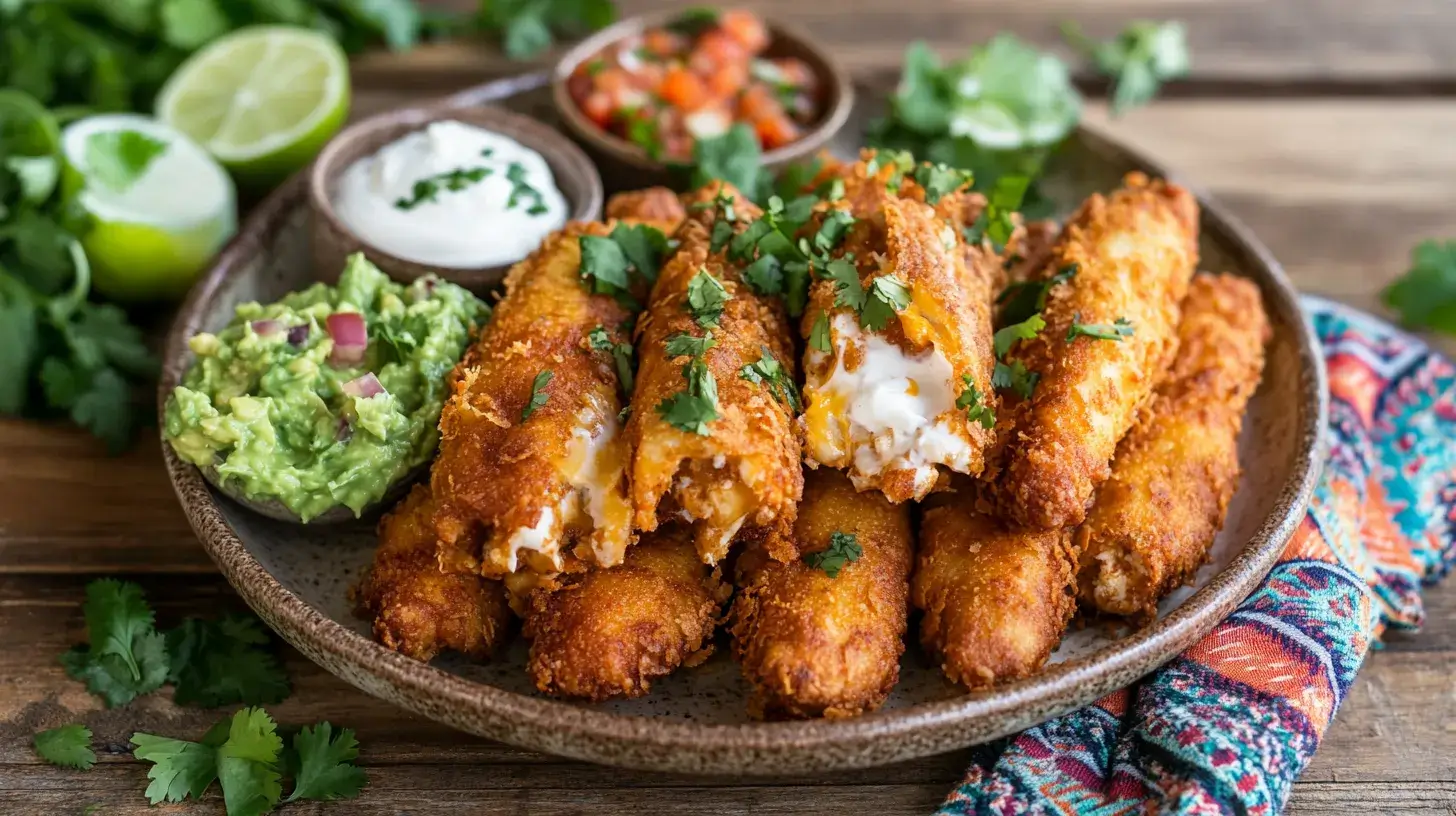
x,y
330,395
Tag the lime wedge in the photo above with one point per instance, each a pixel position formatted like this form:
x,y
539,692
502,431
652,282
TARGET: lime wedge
x,y
160,207
263,100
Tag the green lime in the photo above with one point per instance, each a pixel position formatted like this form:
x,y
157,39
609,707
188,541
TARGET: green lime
x,y
160,207
264,100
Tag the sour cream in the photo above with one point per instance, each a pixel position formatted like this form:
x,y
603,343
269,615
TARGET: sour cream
x,y
452,195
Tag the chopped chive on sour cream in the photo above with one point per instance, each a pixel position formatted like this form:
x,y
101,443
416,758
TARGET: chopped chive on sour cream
x,y
452,195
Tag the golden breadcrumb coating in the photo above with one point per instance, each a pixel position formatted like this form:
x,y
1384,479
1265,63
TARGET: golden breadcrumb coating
x,y
418,610
851,422
652,204
745,471
610,632
996,600
1135,252
1176,471
816,646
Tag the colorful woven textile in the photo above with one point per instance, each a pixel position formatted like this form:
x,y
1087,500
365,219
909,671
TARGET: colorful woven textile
x,y
1228,725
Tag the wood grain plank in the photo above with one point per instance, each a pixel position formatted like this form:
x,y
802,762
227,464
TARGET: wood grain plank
x,y
1250,45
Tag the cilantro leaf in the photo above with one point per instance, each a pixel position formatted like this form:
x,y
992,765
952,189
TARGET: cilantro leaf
x,y
1020,301
940,180
683,344
118,158
819,333
887,295
995,221
179,768
691,409
126,656
1425,296
1027,329
1014,375
920,102
325,764
1139,60
706,298
427,190
848,290
538,393
734,157
974,403
644,247
604,266
68,746
768,370
796,287
621,356
843,549
722,234
765,276
831,233
222,662
247,764
528,27
1120,328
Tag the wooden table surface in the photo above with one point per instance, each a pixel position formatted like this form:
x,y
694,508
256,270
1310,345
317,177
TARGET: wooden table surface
x,y
1329,126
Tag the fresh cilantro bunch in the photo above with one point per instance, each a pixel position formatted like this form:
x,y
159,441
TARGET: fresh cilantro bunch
x,y
1138,61
245,755
61,353
528,27
996,112
209,663
1425,296
115,54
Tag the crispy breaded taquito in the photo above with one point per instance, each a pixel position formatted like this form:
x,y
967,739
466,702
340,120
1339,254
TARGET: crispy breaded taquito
x,y
996,599
821,635
1122,265
1176,471
712,425
899,359
532,466
418,610
609,632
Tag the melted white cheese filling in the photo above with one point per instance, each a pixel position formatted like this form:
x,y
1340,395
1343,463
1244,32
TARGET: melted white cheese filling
x,y
894,404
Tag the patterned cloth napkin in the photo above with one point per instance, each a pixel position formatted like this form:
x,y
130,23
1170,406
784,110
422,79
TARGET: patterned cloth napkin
x,y
1228,725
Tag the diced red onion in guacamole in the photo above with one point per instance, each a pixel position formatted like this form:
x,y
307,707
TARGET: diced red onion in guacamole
x,y
363,387
351,338
298,334
266,328
345,431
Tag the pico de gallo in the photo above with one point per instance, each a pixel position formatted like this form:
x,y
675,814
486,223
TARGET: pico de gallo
x,y
693,79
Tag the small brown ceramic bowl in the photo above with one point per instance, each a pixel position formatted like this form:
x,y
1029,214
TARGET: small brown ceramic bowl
x,y
334,241
625,165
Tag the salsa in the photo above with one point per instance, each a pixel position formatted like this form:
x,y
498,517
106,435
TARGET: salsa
x,y
693,79
327,397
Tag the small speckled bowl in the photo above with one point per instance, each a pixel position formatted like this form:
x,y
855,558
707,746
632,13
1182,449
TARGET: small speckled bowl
x,y
695,721
333,240
628,165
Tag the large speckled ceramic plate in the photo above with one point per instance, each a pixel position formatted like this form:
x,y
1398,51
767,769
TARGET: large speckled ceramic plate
x,y
298,578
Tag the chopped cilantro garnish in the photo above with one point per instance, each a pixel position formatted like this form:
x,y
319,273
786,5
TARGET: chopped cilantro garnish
x,y
995,221
940,180
1014,375
621,356
428,188
1020,301
641,129
819,333
734,157
516,175
831,233
1118,329
1425,296
1139,60
765,276
847,289
901,160
974,402
1025,330
691,409
843,549
706,298
604,267
538,394
683,344
721,235
887,295
768,370
831,190
644,247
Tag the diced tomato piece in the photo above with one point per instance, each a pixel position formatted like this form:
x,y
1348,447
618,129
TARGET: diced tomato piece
x,y
715,49
579,85
775,131
746,28
728,80
795,72
598,107
684,89
663,43
758,102
612,80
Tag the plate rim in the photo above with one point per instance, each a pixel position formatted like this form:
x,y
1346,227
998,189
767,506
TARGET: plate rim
x,y
749,749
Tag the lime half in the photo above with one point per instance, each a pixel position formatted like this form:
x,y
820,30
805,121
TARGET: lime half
x,y
263,100
160,206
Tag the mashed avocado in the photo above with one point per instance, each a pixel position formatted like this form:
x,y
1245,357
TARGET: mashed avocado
x,y
330,395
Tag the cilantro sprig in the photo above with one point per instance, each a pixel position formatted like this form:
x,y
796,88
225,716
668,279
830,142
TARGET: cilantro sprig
x,y
610,264
1425,296
767,370
844,549
1138,60
696,405
1020,318
995,221
539,394
1117,330
68,746
706,298
528,27
973,402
